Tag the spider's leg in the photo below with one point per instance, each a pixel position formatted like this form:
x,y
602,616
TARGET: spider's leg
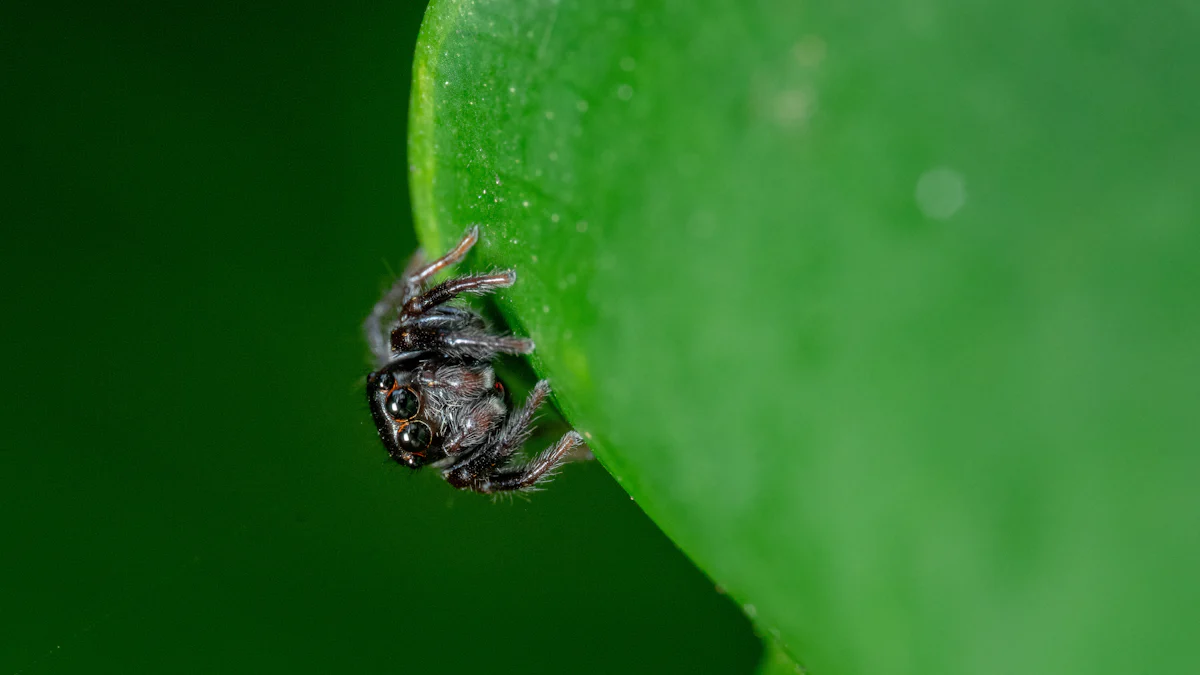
x,y
516,428
507,439
456,335
521,477
416,262
417,273
452,288
375,327
449,318
483,346
476,346
484,470
379,325
471,428
466,381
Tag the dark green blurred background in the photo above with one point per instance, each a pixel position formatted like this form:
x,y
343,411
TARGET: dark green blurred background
x,y
201,204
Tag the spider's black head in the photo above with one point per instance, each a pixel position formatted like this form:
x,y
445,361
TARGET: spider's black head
x,y
396,406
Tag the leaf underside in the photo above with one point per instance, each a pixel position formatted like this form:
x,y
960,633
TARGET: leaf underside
x,y
883,313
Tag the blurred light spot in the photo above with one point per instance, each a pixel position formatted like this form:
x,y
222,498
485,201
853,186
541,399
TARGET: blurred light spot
x,y
581,106
628,64
794,106
941,192
581,226
624,92
809,51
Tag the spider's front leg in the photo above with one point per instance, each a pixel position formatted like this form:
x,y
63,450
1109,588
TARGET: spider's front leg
x,y
416,274
426,324
452,288
485,469
454,338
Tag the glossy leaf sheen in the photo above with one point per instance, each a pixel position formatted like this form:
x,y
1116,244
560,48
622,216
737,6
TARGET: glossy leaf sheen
x,y
884,313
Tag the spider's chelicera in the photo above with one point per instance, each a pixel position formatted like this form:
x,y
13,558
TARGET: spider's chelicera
x,y
435,398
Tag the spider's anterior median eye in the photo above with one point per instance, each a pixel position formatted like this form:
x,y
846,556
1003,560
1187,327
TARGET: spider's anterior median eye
x,y
415,436
402,404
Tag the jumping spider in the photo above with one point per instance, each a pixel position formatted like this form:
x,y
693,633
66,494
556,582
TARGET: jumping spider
x,y
435,398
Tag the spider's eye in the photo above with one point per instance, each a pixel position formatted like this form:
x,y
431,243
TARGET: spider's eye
x,y
415,436
385,381
402,404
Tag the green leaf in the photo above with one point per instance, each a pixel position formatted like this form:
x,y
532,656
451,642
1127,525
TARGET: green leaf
x,y
886,314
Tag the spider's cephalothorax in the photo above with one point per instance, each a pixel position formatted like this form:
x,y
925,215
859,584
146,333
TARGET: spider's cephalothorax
x,y
435,398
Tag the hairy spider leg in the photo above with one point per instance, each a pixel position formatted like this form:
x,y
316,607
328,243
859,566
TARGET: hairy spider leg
x,y
448,318
450,332
416,279
483,470
376,331
507,440
487,344
523,476
416,273
475,425
516,428
452,288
